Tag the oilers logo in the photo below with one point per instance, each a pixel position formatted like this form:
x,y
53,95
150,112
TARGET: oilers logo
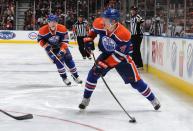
x,y
108,44
53,40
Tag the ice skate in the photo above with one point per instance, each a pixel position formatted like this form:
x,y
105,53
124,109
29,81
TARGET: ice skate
x,y
77,80
84,103
67,82
156,104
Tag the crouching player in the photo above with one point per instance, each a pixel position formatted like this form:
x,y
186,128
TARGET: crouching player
x,y
114,42
53,37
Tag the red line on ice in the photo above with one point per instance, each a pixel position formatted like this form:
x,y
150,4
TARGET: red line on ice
x,y
64,120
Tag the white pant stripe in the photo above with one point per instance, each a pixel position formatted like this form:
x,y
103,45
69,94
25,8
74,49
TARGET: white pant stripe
x,y
116,59
61,69
89,89
93,84
73,71
145,90
73,68
62,73
148,94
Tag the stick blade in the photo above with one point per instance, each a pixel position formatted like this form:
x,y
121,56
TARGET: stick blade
x,y
24,117
133,120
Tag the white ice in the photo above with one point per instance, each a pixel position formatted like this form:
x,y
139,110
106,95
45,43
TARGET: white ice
x,y
29,83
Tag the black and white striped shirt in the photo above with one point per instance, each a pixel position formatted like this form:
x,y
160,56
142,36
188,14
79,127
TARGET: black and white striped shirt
x,y
80,28
156,27
135,25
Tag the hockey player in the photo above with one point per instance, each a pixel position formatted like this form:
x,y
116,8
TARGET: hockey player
x,y
114,43
53,37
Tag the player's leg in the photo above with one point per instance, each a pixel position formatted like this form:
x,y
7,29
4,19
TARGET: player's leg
x,y
60,67
145,90
88,48
134,54
67,58
129,74
91,82
138,51
81,46
90,85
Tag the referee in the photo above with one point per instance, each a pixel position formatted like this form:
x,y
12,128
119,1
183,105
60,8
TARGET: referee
x,y
136,36
80,29
155,28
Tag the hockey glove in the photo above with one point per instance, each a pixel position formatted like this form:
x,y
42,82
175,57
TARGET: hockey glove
x,y
100,68
47,47
61,54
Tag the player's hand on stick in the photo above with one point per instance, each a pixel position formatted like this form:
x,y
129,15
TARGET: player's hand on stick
x,y
88,44
100,67
87,39
48,49
61,53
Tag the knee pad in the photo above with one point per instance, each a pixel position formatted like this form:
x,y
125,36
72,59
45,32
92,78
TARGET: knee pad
x,y
93,76
58,64
67,57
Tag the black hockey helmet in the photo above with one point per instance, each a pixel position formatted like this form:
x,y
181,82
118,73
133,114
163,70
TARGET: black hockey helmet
x,y
134,8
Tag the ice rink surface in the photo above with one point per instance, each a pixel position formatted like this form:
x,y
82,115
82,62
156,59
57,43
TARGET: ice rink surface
x,y
29,83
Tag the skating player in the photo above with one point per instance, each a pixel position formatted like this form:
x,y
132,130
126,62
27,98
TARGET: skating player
x,y
114,43
53,37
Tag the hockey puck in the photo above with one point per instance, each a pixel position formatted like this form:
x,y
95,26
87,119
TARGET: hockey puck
x,y
133,120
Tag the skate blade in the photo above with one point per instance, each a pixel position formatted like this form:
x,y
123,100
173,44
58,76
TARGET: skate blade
x,y
70,85
82,111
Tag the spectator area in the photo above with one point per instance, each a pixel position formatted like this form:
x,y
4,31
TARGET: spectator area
x,y
7,14
175,18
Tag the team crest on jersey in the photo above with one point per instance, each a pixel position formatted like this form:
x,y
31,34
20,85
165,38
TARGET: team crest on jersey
x,y
108,43
54,40
122,48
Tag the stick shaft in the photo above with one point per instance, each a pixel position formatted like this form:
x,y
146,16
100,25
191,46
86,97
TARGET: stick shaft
x,y
66,67
111,91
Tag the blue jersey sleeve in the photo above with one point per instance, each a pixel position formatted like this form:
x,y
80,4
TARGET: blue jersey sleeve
x,y
64,37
